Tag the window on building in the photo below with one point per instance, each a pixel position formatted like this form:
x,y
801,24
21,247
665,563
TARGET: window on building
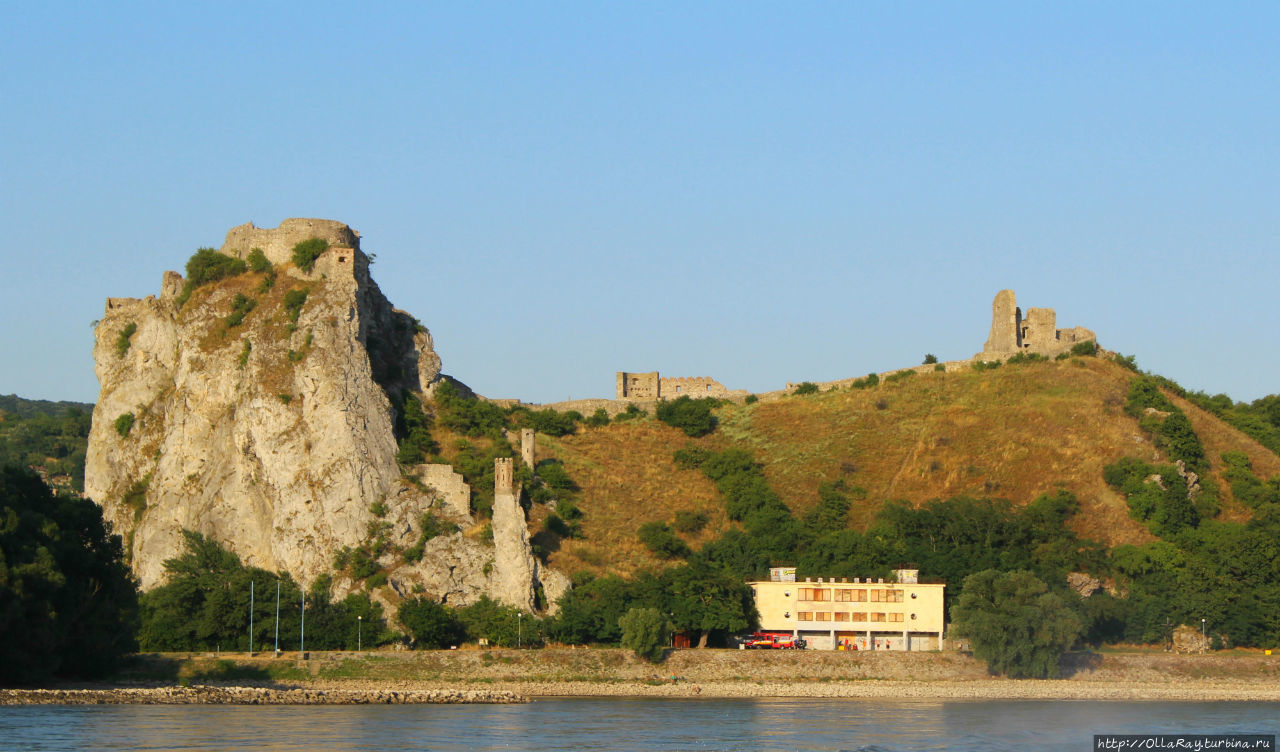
x,y
895,617
893,596
877,617
877,596
804,615
844,596
842,616
858,616
822,616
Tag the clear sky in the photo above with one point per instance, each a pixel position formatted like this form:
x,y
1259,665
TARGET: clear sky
x,y
758,192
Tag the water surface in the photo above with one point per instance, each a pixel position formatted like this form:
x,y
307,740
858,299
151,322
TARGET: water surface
x,y
626,724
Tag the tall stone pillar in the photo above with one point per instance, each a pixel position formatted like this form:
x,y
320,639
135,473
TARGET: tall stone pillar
x,y
528,448
1005,319
513,564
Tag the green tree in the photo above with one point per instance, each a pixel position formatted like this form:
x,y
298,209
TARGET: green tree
x,y
645,631
1015,624
704,599
68,604
257,261
501,625
432,625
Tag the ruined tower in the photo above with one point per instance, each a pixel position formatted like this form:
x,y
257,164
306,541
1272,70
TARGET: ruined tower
x,y
528,448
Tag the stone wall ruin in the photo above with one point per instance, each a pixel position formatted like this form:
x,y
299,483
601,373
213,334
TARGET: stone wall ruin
x,y
651,386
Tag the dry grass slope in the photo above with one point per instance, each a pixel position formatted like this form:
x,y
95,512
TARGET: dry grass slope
x,y
1015,433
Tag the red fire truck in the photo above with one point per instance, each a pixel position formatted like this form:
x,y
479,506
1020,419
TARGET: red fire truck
x,y
772,641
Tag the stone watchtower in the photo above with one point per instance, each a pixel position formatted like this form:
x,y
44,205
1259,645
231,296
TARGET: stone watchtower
x,y
503,477
528,447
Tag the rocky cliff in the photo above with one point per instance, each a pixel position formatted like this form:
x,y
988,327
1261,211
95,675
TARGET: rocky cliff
x,y
259,410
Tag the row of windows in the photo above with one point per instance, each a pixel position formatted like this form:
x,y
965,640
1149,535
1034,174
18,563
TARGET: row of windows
x,y
848,616
847,595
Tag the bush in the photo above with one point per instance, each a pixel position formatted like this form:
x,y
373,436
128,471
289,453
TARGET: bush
x,y
293,301
868,381
240,307
306,253
806,387
693,416
207,265
659,539
644,631
125,339
243,360
599,418
124,424
257,261
751,399
940,368
431,625
1085,348
690,522
551,422
631,413
930,359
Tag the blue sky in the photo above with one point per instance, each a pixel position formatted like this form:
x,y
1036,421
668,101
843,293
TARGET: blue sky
x,y
758,192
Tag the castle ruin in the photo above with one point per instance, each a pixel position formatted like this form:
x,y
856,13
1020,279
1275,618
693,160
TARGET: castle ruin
x,y
650,387
1037,332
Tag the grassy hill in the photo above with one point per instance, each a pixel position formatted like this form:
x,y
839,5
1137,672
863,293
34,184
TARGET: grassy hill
x,y
1014,432
49,437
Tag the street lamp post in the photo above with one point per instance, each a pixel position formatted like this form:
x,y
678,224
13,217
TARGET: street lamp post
x,y
1202,630
277,618
359,632
519,629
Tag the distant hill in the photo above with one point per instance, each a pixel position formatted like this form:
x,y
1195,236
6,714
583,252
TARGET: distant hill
x,y
49,437
1014,432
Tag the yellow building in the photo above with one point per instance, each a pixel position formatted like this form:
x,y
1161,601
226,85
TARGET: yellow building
x,y
903,614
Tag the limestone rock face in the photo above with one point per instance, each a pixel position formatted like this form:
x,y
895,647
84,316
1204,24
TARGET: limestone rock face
x,y
272,434
513,563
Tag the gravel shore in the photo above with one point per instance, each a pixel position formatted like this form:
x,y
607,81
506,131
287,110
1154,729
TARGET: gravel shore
x,y
217,695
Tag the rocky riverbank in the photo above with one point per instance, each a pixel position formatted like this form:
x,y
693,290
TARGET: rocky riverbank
x,y
218,695
504,675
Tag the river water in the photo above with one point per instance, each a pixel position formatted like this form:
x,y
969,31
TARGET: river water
x,y
626,724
